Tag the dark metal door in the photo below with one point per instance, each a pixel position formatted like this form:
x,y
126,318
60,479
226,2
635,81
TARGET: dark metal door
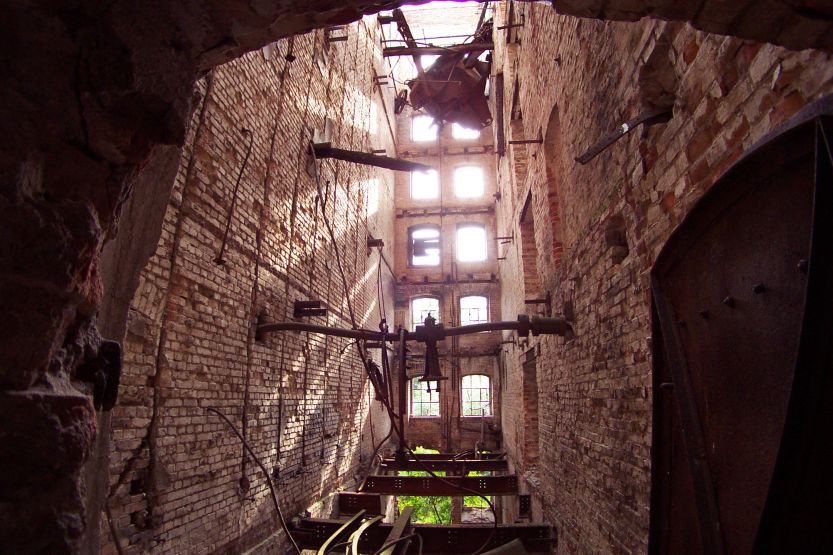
x,y
734,309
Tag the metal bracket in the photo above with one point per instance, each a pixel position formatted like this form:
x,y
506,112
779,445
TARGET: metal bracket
x,y
304,309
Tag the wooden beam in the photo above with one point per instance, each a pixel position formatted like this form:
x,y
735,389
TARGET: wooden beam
x,y
436,50
324,150
448,485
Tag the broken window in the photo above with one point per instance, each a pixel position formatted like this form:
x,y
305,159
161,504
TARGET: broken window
x,y
421,308
424,245
425,185
474,309
471,243
460,132
476,391
468,181
425,399
423,129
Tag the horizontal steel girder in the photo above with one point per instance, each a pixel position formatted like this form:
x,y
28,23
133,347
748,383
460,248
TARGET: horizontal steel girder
x,y
447,485
311,533
448,465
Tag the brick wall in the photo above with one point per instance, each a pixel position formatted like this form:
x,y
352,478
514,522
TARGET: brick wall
x,y
180,481
599,226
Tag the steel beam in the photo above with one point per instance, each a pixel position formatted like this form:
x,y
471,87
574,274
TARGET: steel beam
x,y
449,465
351,502
324,150
436,50
447,485
310,533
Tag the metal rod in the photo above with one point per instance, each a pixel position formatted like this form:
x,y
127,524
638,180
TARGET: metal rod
x,y
219,259
324,150
527,142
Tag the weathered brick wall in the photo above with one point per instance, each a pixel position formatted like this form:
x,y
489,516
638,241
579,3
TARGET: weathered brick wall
x,y
180,482
598,228
451,280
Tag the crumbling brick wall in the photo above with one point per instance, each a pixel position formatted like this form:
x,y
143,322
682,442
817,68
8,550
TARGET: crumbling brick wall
x,y
598,227
180,481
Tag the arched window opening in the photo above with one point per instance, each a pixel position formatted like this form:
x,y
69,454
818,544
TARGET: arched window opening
x,y
477,395
424,245
425,185
468,182
425,398
471,243
474,309
421,308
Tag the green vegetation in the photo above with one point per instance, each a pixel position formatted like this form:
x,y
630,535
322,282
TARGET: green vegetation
x,y
427,509
476,500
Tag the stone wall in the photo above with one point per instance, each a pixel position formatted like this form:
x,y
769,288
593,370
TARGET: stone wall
x,y
597,228
179,479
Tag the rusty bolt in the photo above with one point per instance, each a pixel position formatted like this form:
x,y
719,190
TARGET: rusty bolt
x,y
802,265
729,301
758,288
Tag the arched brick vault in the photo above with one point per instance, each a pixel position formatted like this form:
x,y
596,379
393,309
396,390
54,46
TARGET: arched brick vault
x,y
94,99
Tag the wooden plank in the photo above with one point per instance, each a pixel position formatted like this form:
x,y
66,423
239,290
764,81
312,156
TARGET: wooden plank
x,y
447,485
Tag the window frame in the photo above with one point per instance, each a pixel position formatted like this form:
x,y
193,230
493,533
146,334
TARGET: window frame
x,y
488,401
411,309
464,225
460,308
417,380
411,231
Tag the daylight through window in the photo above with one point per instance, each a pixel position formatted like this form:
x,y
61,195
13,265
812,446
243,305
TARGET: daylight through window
x,y
471,243
424,246
423,128
468,181
423,401
476,395
425,185
474,310
421,307
460,132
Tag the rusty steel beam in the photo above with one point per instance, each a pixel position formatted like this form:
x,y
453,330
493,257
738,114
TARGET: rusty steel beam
x,y
462,465
350,502
448,485
436,50
310,533
651,117
324,150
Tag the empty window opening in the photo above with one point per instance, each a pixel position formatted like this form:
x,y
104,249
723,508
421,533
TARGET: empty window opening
x,y
425,399
428,60
477,394
423,128
424,246
471,243
474,310
460,132
553,150
421,308
425,185
468,181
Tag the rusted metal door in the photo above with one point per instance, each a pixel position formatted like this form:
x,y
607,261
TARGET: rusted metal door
x,y
742,356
